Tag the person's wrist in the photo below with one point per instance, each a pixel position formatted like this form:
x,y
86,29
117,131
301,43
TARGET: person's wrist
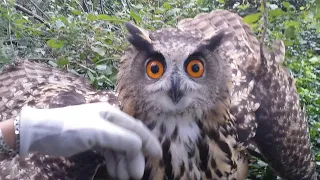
x,y
7,138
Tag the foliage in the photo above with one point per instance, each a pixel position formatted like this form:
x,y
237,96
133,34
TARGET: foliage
x,y
88,37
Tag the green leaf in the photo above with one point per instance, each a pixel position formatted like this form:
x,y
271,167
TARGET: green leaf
x,y
90,75
275,12
252,18
76,12
138,6
82,56
135,16
62,61
287,5
314,59
100,50
108,41
101,67
288,43
273,6
159,11
91,17
55,43
63,19
108,70
317,16
95,83
292,23
290,32
166,5
104,17
60,24
20,21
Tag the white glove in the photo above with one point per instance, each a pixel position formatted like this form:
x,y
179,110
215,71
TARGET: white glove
x,y
70,130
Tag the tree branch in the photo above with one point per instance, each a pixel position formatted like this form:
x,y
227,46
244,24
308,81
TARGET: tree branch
x,y
101,6
35,16
265,23
39,9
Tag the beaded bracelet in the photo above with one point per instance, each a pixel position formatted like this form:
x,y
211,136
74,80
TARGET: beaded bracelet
x,y
16,124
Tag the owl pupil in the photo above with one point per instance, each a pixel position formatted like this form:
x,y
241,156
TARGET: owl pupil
x,y
195,68
154,69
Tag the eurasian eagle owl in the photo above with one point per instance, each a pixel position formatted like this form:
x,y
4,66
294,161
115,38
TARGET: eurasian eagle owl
x,y
205,89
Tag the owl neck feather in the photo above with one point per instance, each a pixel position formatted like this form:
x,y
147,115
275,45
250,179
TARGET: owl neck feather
x,y
198,143
185,144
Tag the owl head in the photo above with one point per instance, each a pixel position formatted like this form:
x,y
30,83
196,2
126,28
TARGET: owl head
x,y
171,71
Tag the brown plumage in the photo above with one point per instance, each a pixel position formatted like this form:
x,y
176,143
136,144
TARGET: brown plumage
x,y
245,100
37,85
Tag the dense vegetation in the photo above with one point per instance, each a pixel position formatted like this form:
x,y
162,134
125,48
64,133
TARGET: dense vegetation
x,y
87,38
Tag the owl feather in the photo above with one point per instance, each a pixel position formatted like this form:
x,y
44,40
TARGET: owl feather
x,y
37,85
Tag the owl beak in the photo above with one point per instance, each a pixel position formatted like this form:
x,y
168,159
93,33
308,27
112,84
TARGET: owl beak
x,y
175,93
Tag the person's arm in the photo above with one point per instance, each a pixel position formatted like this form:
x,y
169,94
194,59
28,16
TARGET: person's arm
x,y
74,129
7,131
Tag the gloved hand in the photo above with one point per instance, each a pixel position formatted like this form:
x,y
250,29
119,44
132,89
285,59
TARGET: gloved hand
x,y
70,130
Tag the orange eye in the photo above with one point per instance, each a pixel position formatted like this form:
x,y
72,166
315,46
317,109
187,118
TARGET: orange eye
x,y
195,68
154,69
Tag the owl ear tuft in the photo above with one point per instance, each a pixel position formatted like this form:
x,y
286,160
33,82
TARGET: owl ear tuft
x,y
139,37
213,42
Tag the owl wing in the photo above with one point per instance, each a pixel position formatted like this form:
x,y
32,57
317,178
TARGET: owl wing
x,y
265,102
282,135
37,85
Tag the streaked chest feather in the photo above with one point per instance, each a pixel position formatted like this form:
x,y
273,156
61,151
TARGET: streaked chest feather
x,y
191,153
